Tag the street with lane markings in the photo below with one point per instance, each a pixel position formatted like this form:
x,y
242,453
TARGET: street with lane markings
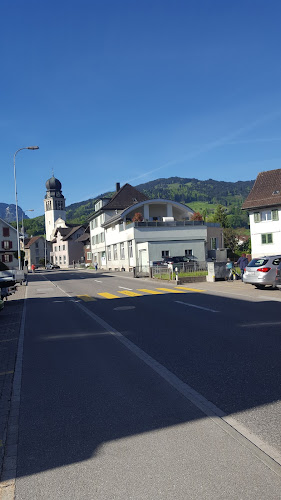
x,y
137,389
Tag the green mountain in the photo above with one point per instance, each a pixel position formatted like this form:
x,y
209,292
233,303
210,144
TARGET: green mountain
x,y
201,196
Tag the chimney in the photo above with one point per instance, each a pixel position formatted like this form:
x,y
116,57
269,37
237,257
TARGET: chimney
x,y
117,187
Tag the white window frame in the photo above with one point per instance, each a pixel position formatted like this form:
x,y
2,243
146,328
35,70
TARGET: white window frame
x,y
130,249
115,252
122,251
109,252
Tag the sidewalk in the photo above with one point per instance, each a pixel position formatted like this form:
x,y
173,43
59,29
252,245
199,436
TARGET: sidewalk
x,y
10,321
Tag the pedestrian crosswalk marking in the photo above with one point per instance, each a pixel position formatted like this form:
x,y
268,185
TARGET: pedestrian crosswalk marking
x,y
86,298
190,289
169,290
154,292
108,295
130,294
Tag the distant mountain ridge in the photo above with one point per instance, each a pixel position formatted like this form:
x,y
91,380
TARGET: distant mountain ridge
x,y
8,212
201,196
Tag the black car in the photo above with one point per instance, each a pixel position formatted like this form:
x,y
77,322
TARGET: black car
x,y
187,263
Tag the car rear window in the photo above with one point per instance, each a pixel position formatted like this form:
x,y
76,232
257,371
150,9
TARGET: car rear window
x,y
257,262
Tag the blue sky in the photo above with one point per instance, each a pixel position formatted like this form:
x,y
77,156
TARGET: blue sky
x,y
131,91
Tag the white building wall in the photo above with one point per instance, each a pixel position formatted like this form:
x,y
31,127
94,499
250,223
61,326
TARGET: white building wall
x,y
265,227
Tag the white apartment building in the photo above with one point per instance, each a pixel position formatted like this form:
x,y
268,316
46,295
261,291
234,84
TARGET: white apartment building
x,y
130,230
264,207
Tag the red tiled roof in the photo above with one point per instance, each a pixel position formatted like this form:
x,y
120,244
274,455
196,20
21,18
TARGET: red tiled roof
x,y
30,241
266,191
125,197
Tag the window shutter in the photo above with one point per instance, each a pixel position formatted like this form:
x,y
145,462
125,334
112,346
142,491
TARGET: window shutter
x,y
3,258
3,244
10,258
10,244
274,214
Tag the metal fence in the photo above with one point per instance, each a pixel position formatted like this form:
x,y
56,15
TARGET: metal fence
x,y
182,269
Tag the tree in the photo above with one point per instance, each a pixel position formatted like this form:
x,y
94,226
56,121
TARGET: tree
x,y
137,217
220,216
230,239
196,216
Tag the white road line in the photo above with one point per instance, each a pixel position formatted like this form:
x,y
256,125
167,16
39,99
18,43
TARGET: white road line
x,y
98,281
124,288
261,450
197,307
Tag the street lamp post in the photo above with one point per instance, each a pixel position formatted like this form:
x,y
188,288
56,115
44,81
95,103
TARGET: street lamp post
x,y
16,198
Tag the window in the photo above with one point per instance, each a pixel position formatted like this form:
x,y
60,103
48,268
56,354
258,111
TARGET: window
x,y
130,249
188,252
274,215
63,247
213,243
7,258
113,228
122,251
109,253
36,245
102,237
257,217
6,244
266,238
6,231
64,259
60,258
59,248
266,215
89,255
93,240
55,249
165,253
115,254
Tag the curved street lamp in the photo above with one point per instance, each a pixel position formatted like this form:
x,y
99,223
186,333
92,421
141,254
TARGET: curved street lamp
x,y
16,197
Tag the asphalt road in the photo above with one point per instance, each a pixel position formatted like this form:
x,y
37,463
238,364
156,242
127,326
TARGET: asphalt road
x,y
129,388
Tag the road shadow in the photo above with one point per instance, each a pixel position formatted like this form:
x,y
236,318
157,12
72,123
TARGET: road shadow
x,y
82,388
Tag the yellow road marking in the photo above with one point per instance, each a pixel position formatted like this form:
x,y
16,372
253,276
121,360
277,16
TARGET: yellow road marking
x,y
190,289
108,295
6,373
130,294
169,290
149,291
86,298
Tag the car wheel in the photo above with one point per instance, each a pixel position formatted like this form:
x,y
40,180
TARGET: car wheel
x,y
260,287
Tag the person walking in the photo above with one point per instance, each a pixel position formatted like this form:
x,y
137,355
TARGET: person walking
x,y
229,266
33,268
96,265
242,262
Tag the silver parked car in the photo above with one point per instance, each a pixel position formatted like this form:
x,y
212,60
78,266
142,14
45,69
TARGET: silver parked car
x,y
278,277
261,272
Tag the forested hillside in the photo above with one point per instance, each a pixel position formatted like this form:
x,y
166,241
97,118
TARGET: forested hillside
x,y
201,196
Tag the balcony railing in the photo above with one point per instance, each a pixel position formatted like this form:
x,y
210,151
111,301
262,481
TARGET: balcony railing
x,y
181,223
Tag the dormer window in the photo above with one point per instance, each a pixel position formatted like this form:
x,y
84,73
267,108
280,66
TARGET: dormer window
x,y
276,192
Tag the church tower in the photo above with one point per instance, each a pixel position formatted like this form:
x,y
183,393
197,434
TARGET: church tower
x,y
54,203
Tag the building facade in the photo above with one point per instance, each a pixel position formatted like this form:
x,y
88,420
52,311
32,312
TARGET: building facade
x,y
67,250
131,230
35,249
264,207
8,245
